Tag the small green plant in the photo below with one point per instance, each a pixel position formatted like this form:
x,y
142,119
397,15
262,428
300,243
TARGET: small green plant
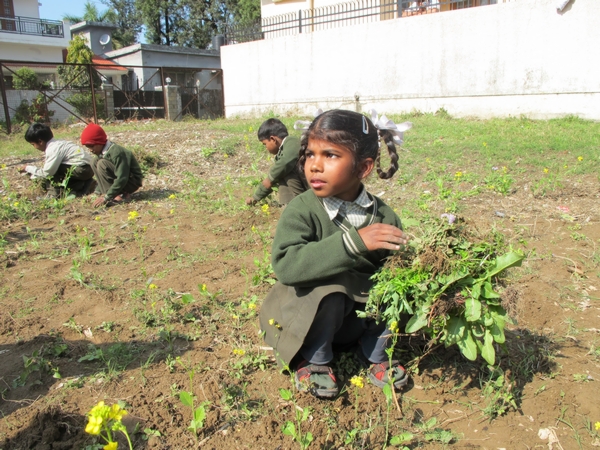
x,y
72,325
188,399
499,181
499,394
35,363
301,415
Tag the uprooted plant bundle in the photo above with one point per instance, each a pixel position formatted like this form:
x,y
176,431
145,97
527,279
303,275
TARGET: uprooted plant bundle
x,y
448,280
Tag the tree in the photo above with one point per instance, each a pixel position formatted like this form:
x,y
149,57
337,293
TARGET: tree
x,y
25,79
193,23
91,14
121,13
78,76
127,18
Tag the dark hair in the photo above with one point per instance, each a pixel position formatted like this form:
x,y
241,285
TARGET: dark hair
x,y
38,132
354,131
272,127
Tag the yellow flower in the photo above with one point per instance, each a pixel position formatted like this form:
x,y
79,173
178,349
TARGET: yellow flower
x,y
271,321
250,129
111,446
97,218
116,412
225,156
252,306
132,215
580,158
394,327
504,169
203,288
357,381
152,286
3,166
566,166
235,316
172,196
239,351
597,425
171,211
94,425
485,144
545,170
15,204
457,175
265,209
253,229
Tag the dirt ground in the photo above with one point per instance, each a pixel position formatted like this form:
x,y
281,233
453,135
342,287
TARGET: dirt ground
x,y
97,298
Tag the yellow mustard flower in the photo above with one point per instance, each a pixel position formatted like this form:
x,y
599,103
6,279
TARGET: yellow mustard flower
x,y
15,204
546,170
171,211
152,286
172,196
485,144
253,229
3,166
580,158
597,425
225,156
271,321
203,288
565,166
357,381
239,351
94,425
265,209
250,129
111,446
97,218
504,169
132,215
252,306
457,175
116,412
394,327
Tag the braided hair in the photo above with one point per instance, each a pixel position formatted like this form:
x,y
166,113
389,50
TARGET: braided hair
x,y
355,132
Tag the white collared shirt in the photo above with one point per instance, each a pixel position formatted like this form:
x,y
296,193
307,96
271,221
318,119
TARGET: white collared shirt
x,y
60,152
355,212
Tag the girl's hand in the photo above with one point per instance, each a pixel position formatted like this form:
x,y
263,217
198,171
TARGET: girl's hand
x,y
382,236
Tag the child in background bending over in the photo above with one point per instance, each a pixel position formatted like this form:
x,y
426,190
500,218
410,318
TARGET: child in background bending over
x,y
329,242
118,172
284,173
60,157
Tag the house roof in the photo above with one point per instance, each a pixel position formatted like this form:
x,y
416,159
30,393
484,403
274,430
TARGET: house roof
x,y
160,48
103,63
81,26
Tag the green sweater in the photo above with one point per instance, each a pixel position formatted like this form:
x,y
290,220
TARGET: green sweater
x,y
285,165
309,247
126,166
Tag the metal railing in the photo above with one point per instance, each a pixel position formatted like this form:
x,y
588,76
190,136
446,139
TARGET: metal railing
x,y
31,25
343,14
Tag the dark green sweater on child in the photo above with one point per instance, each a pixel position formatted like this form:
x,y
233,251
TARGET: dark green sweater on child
x,y
284,173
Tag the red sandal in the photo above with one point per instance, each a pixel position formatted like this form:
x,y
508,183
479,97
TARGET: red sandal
x,y
318,380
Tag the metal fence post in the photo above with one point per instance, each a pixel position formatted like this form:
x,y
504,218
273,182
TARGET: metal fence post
x,y
91,72
300,21
5,101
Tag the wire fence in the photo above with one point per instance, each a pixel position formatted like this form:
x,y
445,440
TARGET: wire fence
x,y
342,15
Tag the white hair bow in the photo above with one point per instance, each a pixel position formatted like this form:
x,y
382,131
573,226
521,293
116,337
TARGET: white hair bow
x,y
304,124
383,123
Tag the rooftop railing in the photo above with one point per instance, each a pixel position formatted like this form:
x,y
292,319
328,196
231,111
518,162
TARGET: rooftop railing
x,y
32,26
342,15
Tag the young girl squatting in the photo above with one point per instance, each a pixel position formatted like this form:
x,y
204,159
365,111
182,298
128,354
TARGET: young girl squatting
x,y
329,241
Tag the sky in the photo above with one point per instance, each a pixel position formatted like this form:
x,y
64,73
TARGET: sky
x,y
56,9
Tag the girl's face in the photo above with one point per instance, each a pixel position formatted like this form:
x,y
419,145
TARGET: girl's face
x,y
330,171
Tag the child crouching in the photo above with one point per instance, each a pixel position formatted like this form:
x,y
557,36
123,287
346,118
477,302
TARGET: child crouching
x,y
329,241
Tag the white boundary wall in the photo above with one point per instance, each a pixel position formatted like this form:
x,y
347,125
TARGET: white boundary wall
x,y
510,59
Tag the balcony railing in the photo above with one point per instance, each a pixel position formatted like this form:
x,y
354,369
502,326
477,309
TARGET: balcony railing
x,y
344,14
31,25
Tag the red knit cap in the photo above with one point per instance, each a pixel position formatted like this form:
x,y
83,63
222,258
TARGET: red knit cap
x,y
93,134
